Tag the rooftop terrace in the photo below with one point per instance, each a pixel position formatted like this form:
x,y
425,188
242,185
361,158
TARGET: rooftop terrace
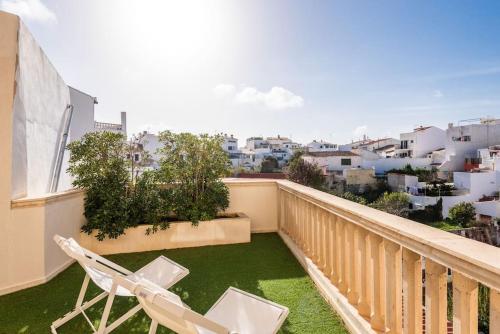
x,y
264,267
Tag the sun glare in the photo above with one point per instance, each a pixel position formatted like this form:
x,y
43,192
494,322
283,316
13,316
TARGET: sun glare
x,y
173,32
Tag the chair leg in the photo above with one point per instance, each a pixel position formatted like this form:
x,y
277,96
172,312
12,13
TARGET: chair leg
x,y
107,309
154,326
79,307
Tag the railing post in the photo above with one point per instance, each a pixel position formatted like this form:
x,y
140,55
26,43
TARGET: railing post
x,y
464,304
494,311
365,272
352,265
317,240
333,249
377,320
340,250
324,241
393,290
308,230
435,297
412,292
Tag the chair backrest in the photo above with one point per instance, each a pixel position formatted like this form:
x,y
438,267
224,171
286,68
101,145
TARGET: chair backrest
x,y
168,310
93,264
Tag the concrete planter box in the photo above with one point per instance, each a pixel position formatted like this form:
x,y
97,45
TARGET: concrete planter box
x,y
219,231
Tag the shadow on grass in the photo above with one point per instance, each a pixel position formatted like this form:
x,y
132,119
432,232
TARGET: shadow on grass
x,y
264,267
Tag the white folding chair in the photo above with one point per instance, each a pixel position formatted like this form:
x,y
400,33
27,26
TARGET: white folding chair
x,y
162,271
235,312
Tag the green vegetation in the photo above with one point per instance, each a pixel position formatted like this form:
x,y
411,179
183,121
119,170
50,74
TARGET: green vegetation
x,y
98,163
264,267
462,214
269,165
396,203
118,196
424,175
354,198
305,173
194,165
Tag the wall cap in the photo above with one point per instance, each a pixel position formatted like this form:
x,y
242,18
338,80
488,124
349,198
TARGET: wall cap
x,y
42,200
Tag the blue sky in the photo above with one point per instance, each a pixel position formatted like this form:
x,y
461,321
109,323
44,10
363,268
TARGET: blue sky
x,y
331,70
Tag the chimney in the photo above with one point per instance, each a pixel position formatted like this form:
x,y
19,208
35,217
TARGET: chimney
x,y
124,122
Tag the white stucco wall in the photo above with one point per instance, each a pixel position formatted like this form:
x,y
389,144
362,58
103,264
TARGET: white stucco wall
x,y
489,208
83,113
39,107
482,136
383,165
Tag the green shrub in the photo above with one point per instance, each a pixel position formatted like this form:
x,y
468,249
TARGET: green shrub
x,y
116,197
305,173
194,166
354,198
148,203
98,165
269,165
462,214
396,203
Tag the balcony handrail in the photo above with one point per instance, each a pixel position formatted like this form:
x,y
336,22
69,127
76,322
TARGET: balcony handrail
x,y
474,259
373,266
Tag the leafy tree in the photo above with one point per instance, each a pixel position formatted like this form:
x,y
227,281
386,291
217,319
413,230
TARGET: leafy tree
x,y
149,204
136,146
462,214
305,173
269,164
354,198
396,203
98,165
194,166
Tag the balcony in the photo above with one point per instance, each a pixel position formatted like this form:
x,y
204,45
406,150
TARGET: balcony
x,y
264,267
380,273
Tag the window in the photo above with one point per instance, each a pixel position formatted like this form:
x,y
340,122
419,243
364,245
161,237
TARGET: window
x,y
411,141
345,162
404,144
466,138
136,157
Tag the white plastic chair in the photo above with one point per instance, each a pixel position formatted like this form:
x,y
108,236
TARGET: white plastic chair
x,y
236,311
162,271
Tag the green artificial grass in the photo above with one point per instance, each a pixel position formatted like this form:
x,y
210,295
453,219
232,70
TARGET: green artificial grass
x,y
264,267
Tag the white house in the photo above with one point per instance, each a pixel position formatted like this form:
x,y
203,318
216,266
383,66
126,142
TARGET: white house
x,y
420,142
463,141
277,142
321,146
230,144
256,143
335,161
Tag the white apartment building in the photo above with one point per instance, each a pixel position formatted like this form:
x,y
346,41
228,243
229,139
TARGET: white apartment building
x,y
420,142
230,144
277,142
256,143
463,141
113,127
321,146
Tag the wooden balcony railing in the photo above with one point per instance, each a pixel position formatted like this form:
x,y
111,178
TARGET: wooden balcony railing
x,y
390,272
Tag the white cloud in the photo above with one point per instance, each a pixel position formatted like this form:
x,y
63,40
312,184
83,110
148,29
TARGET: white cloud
x,y
277,98
437,94
224,90
31,10
360,130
